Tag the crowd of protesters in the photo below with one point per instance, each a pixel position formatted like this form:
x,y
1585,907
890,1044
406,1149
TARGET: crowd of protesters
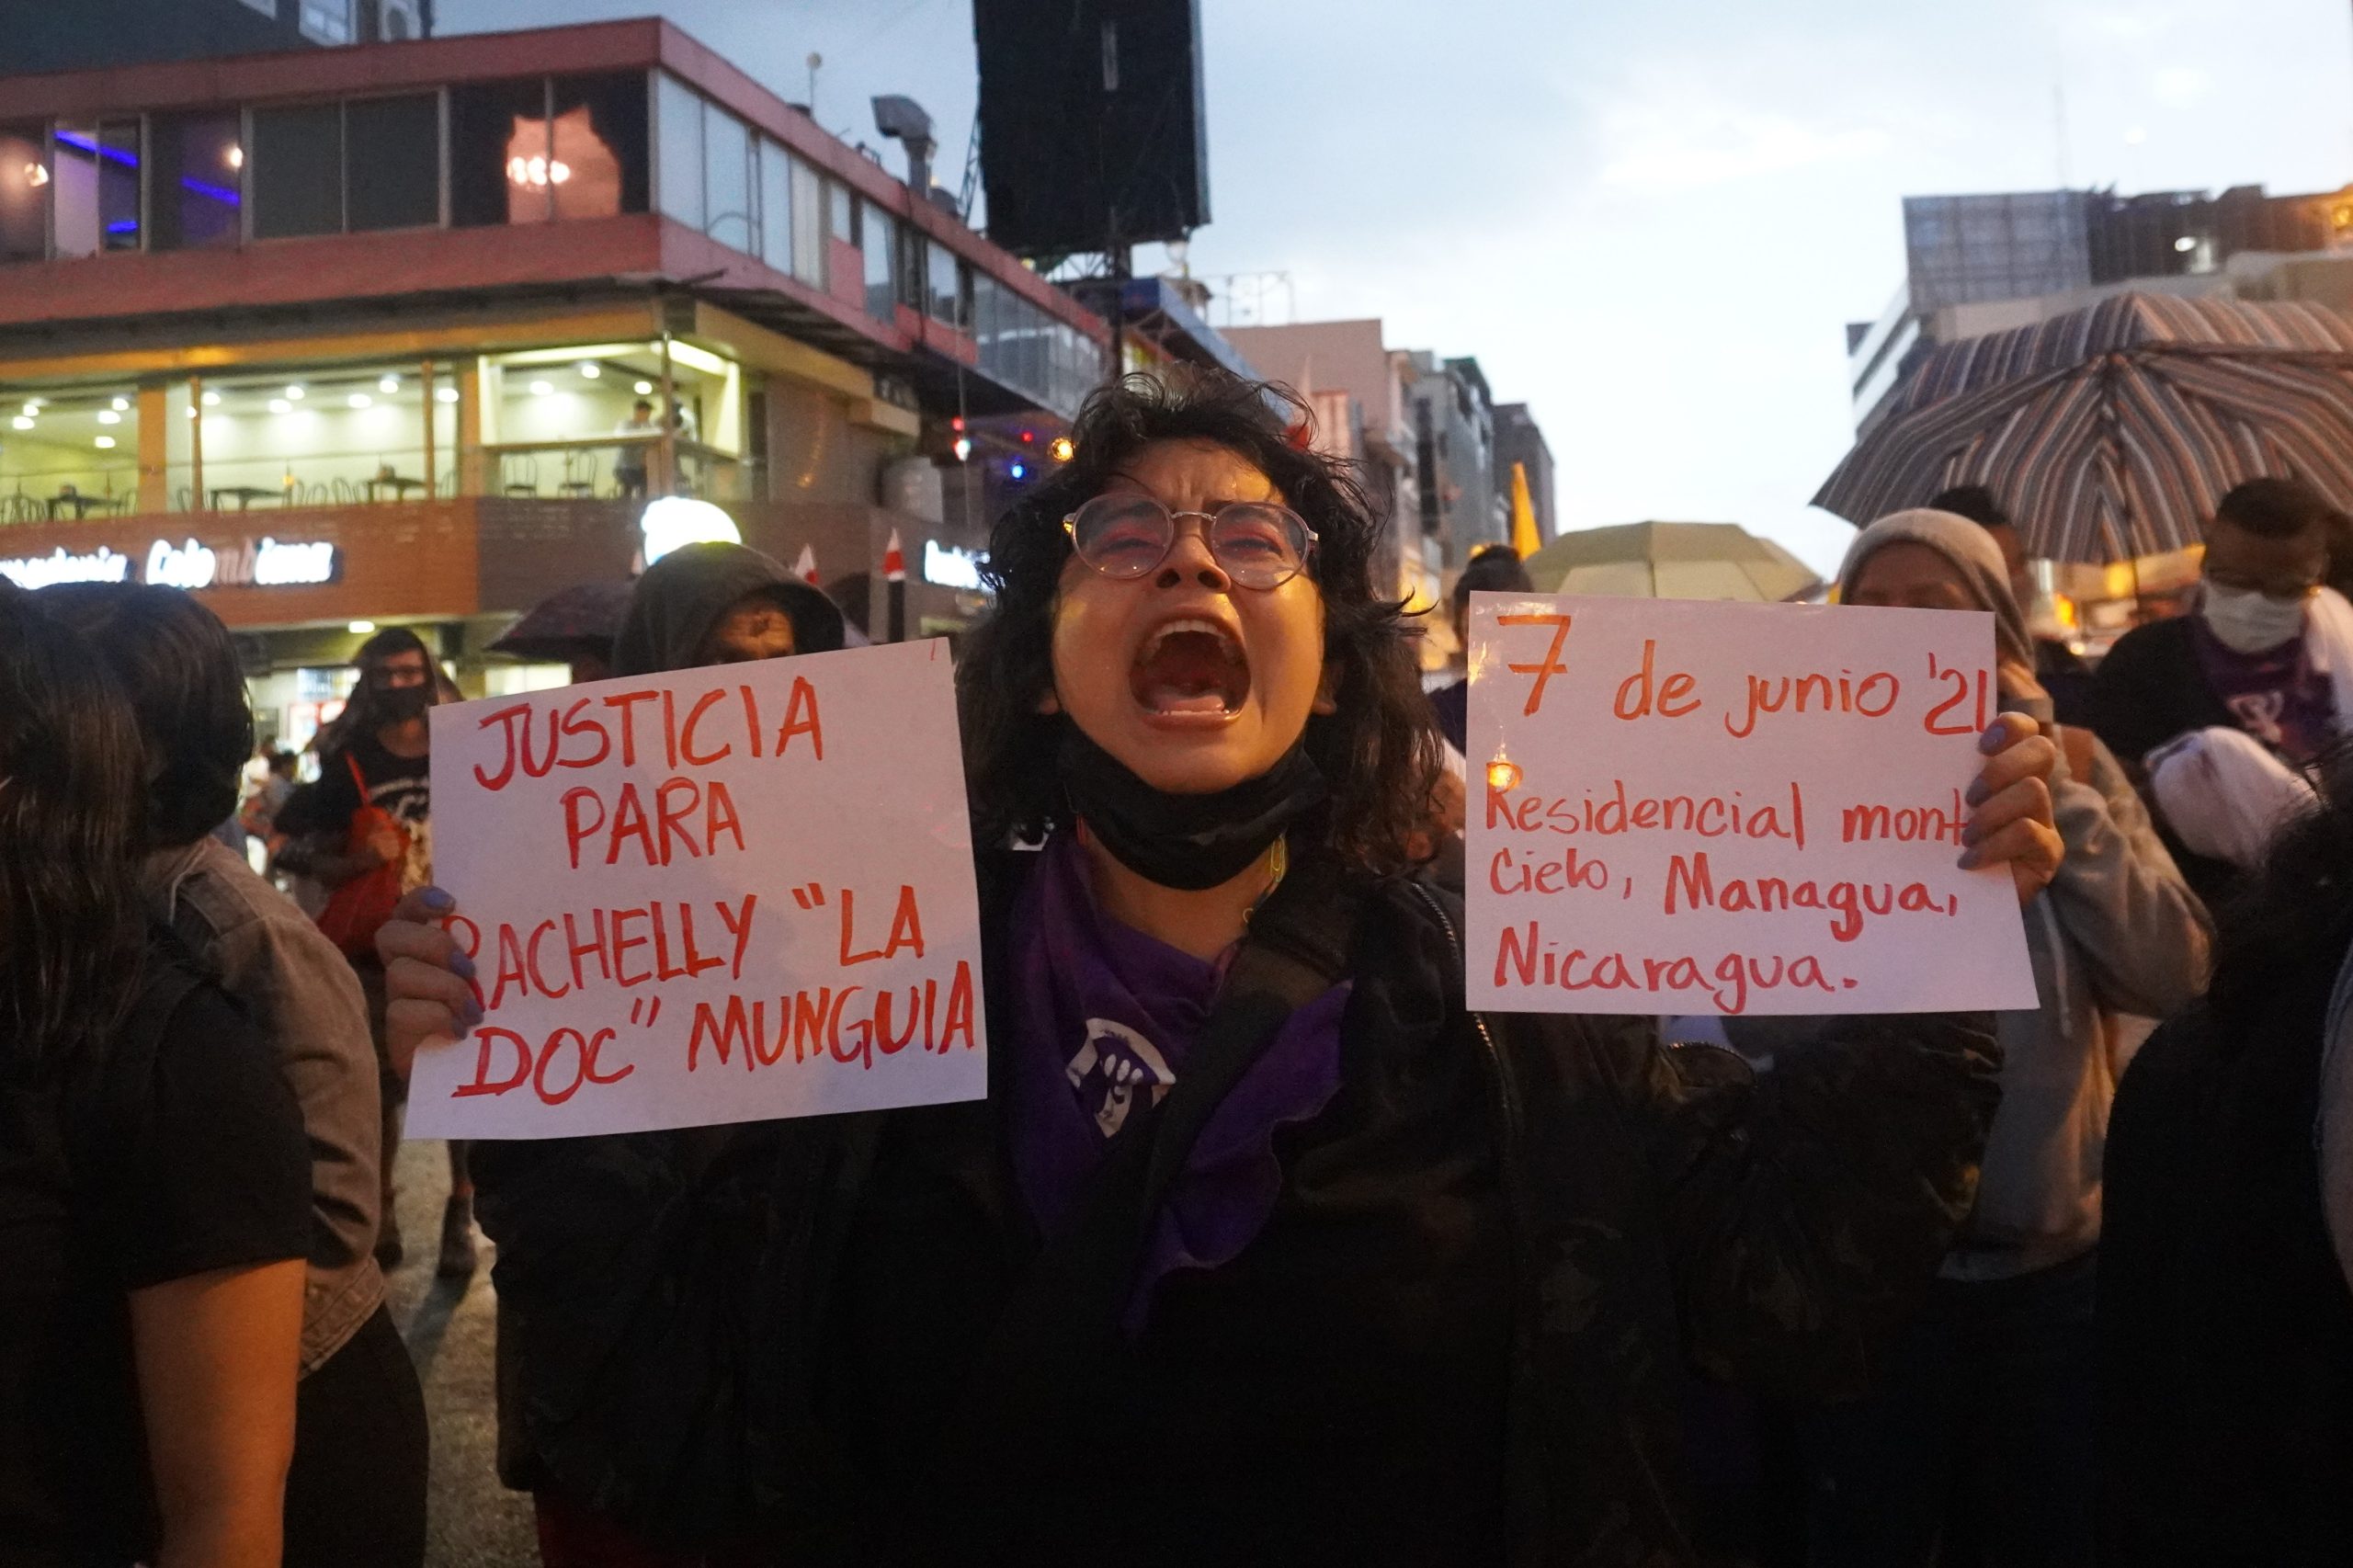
x,y
1367,1277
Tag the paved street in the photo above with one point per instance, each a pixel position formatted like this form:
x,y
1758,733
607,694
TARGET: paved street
x,y
475,1523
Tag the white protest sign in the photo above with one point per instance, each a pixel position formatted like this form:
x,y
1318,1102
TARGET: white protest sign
x,y
708,896
1682,807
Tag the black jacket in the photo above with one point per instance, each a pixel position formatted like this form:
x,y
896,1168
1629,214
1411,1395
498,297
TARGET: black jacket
x,y
688,1363
2150,690
2225,1327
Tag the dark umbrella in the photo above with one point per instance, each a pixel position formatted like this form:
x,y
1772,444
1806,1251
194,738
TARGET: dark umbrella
x,y
2112,431
583,618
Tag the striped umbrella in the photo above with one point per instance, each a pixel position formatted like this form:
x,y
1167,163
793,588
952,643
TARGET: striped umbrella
x,y
2113,431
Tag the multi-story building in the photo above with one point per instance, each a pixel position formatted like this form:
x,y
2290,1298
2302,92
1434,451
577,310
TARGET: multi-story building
x,y
348,336
1356,387
1454,452
78,35
1519,441
1970,251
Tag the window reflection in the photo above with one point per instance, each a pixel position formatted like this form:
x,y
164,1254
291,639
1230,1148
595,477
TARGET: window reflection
x,y
194,199
23,194
493,124
96,183
600,137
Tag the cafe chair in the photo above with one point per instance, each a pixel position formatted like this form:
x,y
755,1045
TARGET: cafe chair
x,y
520,475
579,474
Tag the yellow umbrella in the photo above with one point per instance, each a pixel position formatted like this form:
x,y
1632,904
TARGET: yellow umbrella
x,y
1525,538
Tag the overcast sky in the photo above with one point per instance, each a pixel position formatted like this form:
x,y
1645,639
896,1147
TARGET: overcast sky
x,y
1648,219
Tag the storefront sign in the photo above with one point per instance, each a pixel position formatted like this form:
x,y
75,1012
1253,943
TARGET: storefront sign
x,y
1680,807
99,566
709,896
950,567
261,563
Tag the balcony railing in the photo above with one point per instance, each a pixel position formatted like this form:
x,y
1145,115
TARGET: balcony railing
x,y
602,467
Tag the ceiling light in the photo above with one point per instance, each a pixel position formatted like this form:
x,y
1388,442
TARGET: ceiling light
x,y
541,389
235,156
361,399
212,399
361,628
2186,244
121,404
106,443
445,394
36,175
193,411
294,390
389,384
108,417
22,422
643,388
279,405
590,369
32,405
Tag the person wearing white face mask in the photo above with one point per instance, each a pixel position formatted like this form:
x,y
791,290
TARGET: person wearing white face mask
x,y
2224,712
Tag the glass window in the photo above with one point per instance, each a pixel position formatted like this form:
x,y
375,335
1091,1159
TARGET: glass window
x,y
840,212
602,146
196,177
73,168
808,224
727,177
328,21
677,121
939,283
95,173
497,129
776,205
910,268
24,193
118,183
880,232
297,164
393,160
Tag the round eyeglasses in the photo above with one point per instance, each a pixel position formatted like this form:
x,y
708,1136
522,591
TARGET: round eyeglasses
x,y
1258,543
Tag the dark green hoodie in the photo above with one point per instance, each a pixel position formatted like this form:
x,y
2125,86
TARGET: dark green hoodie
x,y
682,595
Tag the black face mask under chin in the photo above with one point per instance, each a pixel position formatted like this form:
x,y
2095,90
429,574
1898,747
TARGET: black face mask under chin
x,y
1188,842
402,703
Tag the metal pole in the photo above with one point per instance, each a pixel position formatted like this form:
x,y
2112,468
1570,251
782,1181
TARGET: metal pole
x,y
196,444
425,384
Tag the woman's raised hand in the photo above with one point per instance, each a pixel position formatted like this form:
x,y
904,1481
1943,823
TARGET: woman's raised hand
x,y
2011,824
428,982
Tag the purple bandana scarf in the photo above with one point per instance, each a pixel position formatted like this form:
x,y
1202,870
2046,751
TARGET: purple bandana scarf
x,y
1108,1015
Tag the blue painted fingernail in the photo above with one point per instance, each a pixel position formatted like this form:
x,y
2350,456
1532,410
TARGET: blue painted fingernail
x,y
472,1014
1993,739
1977,792
436,899
1968,861
461,966
1970,834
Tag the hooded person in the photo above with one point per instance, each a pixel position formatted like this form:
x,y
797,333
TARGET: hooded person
x,y
720,604
1992,1380
700,605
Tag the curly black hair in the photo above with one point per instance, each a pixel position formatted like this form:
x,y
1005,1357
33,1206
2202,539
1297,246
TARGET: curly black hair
x,y
1379,753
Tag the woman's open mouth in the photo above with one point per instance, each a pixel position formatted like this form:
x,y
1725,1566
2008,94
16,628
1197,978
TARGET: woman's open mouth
x,y
1191,671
